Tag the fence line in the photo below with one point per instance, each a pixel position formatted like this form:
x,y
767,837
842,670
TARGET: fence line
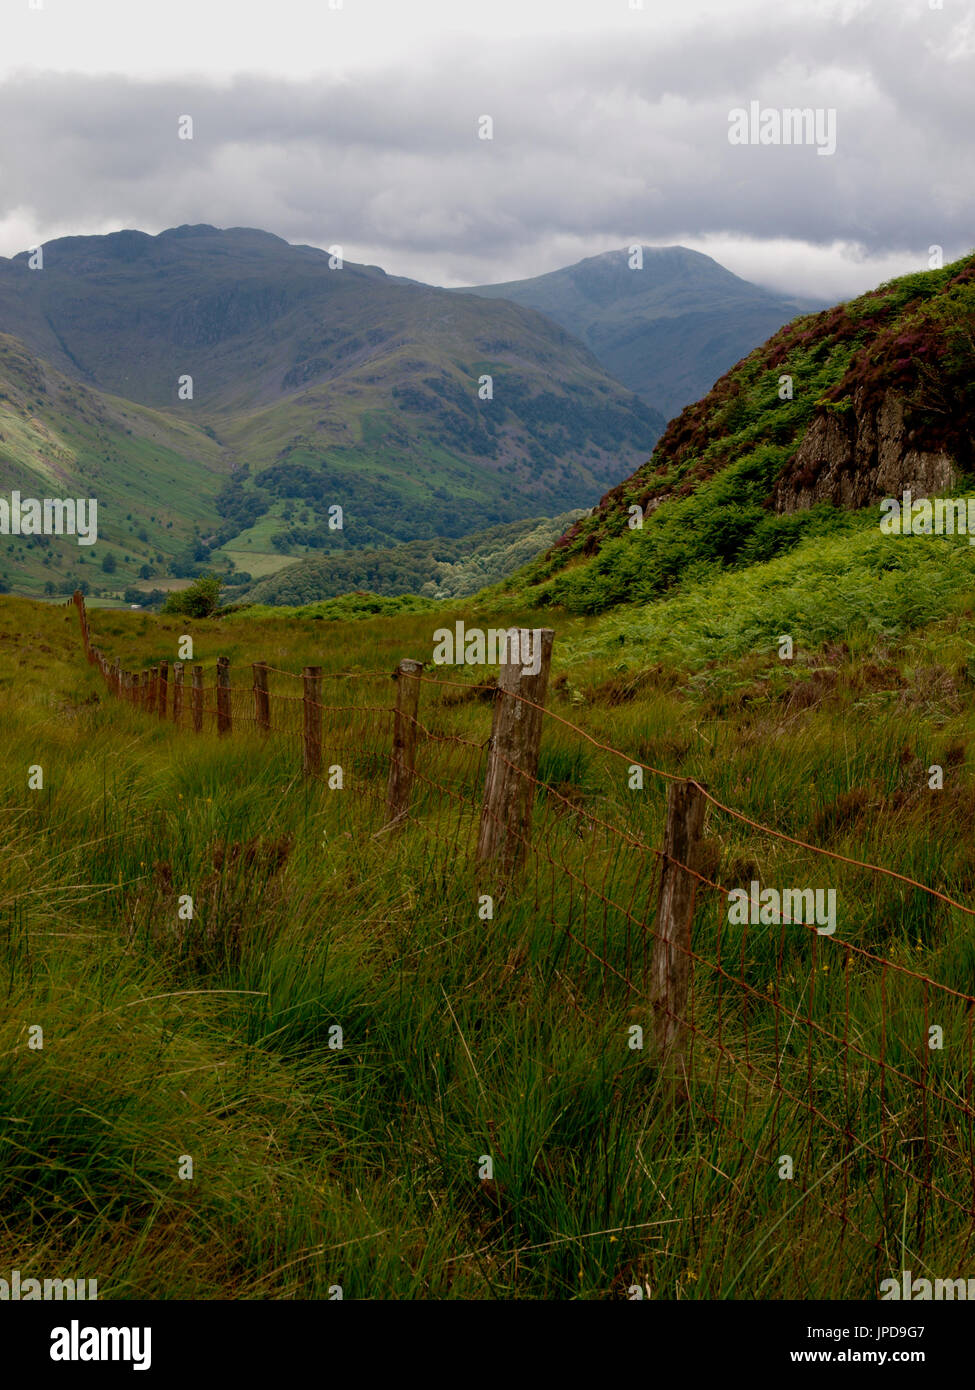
x,y
791,1043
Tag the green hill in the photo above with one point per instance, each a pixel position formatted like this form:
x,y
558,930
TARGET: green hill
x,y
835,412
667,330
155,477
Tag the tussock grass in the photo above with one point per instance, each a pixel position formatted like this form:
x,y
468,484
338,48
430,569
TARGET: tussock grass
x,y
358,1166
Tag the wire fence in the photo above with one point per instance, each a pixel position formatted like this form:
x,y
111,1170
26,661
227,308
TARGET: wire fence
x,y
808,1056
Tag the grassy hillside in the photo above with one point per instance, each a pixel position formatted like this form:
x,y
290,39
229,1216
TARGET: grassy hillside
x,y
359,1167
155,477
707,495
668,329
329,386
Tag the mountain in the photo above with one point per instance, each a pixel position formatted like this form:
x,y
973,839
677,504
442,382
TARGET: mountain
x,y
326,385
837,411
667,330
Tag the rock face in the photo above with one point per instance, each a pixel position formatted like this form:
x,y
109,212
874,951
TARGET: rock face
x,y
858,457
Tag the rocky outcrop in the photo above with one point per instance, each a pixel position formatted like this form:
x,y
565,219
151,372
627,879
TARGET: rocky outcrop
x,y
858,456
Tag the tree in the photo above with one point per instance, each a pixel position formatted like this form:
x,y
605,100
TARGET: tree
x,y
109,562
198,601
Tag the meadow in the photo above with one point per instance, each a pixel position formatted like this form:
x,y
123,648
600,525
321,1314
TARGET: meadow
x,y
360,1167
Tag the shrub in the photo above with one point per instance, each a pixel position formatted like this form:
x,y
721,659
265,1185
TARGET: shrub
x,y
198,601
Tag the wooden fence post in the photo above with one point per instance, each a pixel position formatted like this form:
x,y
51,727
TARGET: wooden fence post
x,y
117,677
312,712
197,699
670,971
403,761
177,691
163,688
79,603
153,689
516,735
224,717
262,704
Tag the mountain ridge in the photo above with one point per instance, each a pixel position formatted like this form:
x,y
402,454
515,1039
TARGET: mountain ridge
x,y
321,386
668,329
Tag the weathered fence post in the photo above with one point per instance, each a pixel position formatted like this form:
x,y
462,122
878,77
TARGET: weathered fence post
x,y
79,603
262,705
177,691
117,677
403,761
516,735
224,718
163,687
670,970
197,699
312,720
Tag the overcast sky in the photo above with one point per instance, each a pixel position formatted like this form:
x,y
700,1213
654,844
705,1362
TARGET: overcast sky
x,y
358,125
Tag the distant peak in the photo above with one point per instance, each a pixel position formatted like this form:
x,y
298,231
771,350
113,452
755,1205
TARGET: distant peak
x,y
189,229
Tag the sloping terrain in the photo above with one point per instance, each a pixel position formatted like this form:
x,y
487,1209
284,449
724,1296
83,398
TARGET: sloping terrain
x,y
332,385
835,412
155,476
668,329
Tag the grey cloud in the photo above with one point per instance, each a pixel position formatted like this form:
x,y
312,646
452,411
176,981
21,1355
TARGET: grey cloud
x,y
594,141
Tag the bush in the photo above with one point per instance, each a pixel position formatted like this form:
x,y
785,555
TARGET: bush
x,y
198,601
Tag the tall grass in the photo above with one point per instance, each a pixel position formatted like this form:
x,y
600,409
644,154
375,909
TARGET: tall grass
x,y
360,1166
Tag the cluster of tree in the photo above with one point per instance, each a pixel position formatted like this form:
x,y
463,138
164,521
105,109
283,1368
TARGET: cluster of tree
x,y
440,567
240,502
198,601
154,598
462,420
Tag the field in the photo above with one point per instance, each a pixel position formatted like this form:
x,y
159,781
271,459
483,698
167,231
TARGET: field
x,y
463,1038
